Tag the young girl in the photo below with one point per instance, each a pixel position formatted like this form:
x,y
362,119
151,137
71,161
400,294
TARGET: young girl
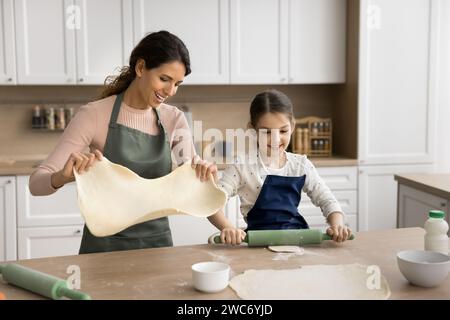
x,y
270,187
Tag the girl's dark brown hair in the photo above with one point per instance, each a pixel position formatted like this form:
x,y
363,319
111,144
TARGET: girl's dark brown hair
x,y
155,49
273,101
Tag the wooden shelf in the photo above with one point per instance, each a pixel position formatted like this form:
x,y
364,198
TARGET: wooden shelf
x,y
313,136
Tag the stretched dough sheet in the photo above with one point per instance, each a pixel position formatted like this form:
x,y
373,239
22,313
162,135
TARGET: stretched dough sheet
x,y
313,282
112,197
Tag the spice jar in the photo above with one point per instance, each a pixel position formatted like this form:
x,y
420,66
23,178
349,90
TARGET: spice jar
x,y
69,112
50,118
36,120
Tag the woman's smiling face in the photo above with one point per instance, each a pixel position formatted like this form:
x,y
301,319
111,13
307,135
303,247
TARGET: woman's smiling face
x,y
157,84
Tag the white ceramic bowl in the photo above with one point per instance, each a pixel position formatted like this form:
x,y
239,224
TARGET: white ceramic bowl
x,y
210,276
423,268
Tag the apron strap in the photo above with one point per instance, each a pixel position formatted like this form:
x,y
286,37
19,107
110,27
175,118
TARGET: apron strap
x,y
115,110
160,125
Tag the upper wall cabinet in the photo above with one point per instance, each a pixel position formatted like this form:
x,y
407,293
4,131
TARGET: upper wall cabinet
x,y
230,41
201,24
317,36
7,44
104,38
397,65
69,42
45,45
259,41
288,41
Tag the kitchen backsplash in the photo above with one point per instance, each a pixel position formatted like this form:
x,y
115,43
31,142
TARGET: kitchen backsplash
x,y
220,107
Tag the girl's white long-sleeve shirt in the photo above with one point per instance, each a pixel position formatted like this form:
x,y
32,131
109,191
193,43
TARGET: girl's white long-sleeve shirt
x,y
246,179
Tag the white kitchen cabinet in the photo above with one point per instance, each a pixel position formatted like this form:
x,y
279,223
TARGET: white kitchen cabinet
x,y
47,225
8,226
414,206
397,71
339,178
45,41
347,199
49,241
72,41
7,44
104,40
317,30
201,24
377,195
58,209
273,42
259,41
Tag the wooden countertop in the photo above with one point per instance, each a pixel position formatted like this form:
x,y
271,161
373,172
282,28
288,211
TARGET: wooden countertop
x,y
20,167
26,167
334,162
323,162
164,273
434,183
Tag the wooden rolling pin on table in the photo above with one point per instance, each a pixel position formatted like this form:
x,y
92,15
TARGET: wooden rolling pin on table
x,y
165,273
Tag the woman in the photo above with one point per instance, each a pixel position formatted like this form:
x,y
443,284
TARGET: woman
x,y
133,127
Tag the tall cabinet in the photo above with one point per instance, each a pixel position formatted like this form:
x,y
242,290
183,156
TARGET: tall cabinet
x,y
396,101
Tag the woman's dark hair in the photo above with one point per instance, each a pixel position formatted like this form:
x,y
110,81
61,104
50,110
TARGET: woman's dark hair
x,y
273,101
155,49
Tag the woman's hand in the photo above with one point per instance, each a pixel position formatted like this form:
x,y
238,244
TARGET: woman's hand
x,y
232,236
203,168
81,162
339,232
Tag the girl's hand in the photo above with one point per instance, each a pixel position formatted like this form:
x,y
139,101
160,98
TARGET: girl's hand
x,y
339,232
78,161
203,169
232,236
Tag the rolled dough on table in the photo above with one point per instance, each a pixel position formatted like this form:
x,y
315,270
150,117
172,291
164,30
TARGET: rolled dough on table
x,y
112,197
337,282
287,249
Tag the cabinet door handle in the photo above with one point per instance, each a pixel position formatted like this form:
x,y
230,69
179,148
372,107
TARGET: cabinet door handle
x,y
8,181
80,80
9,80
443,204
78,231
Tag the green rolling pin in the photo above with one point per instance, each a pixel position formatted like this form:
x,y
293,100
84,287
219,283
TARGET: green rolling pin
x,y
40,283
288,237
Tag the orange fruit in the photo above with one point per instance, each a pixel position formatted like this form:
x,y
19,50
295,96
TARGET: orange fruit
x,y
2,296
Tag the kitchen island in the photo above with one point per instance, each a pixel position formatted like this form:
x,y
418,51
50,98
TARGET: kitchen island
x,y
165,273
420,193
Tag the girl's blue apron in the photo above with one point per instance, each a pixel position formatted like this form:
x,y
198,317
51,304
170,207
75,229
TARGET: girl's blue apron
x,y
277,205
150,157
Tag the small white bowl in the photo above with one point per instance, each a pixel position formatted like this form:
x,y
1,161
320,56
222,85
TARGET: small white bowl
x,y
210,276
423,268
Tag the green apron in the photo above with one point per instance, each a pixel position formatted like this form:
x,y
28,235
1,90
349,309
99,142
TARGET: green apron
x,y
148,156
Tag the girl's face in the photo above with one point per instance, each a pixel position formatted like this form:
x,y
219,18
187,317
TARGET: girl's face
x,y
276,132
158,84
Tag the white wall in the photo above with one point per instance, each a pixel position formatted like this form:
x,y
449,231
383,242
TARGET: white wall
x,y
443,96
